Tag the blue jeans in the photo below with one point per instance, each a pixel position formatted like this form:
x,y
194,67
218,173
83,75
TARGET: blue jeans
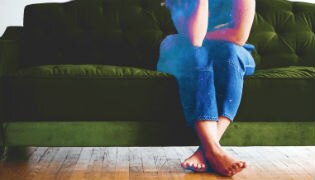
x,y
210,77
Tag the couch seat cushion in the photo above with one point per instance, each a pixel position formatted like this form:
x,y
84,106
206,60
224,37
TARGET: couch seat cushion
x,y
91,92
116,93
279,94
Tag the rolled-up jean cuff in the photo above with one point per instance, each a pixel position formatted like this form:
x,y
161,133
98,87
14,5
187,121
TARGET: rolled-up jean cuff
x,y
207,118
227,116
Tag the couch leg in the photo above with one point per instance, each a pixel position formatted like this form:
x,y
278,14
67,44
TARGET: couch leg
x,y
15,153
3,153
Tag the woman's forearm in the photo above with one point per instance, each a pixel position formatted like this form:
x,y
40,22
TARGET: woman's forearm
x,y
197,22
243,14
228,34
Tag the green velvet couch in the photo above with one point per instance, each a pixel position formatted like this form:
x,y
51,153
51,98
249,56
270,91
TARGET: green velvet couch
x,y
83,73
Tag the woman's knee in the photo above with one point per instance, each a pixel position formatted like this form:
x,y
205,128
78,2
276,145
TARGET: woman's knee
x,y
222,49
224,54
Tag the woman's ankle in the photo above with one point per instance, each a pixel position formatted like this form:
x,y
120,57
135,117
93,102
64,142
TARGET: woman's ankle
x,y
212,149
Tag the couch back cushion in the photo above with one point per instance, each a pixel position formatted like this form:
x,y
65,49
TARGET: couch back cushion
x,y
129,32
117,32
283,33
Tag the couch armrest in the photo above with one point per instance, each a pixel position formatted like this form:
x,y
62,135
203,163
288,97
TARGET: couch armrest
x,y
12,33
9,56
10,49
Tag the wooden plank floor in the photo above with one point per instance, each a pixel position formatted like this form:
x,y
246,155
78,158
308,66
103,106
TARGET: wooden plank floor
x,y
264,162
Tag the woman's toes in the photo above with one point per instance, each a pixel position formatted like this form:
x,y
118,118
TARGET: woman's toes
x,y
244,165
232,168
230,173
195,165
203,166
239,164
191,164
199,166
233,171
184,164
235,167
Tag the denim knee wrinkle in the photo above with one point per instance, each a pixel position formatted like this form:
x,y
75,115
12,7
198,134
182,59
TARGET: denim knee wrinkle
x,y
210,77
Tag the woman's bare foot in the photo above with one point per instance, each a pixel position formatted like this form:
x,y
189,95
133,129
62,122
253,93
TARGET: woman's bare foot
x,y
198,157
224,163
196,162
221,162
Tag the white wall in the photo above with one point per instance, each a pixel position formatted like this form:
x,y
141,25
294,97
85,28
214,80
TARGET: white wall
x,y
11,11
311,1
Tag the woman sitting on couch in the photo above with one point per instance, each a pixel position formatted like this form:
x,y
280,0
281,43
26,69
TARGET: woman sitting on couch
x,y
209,58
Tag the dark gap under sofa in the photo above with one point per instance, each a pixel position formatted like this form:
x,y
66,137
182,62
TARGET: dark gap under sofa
x,y
83,73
